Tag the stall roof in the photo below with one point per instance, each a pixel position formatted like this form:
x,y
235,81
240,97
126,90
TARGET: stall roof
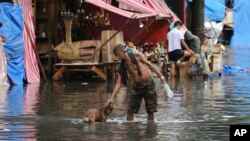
x,y
140,7
149,6
121,12
153,6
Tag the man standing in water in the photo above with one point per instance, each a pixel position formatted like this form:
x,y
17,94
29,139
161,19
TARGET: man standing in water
x,y
142,87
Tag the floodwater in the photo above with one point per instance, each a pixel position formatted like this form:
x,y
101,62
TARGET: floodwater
x,y
200,110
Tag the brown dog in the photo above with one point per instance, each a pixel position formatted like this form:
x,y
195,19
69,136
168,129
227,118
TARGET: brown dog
x,y
97,115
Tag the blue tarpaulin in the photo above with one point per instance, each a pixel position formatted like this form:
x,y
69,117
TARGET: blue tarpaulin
x,y
241,37
232,69
12,28
215,10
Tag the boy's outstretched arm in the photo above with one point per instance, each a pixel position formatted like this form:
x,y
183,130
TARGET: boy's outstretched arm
x,y
115,91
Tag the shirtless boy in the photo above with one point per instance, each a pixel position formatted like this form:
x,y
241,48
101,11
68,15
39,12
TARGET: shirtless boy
x,y
143,86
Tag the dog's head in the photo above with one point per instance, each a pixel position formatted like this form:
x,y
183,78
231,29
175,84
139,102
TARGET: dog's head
x,y
107,110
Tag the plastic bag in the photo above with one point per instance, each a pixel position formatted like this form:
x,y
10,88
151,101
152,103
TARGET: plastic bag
x,y
167,90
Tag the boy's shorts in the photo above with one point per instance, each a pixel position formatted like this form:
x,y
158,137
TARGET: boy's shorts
x,y
175,55
143,90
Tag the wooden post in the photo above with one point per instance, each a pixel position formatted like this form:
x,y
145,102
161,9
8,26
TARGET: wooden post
x,y
182,11
99,72
198,17
58,73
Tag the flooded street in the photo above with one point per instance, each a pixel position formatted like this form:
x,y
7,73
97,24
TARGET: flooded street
x,y
200,110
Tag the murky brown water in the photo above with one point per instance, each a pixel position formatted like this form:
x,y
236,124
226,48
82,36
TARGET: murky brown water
x,y
199,110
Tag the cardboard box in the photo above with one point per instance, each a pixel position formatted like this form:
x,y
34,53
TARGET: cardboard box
x,y
107,50
217,63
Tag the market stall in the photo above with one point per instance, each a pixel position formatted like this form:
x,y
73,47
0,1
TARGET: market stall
x,y
100,25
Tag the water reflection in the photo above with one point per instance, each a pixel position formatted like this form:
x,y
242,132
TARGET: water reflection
x,y
3,103
199,110
15,101
3,92
72,98
31,99
16,105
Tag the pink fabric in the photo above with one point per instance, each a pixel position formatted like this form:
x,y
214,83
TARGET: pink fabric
x,y
30,60
107,1
140,7
121,12
149,6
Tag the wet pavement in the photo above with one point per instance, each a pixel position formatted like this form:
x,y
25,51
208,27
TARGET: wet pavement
x,y
200,110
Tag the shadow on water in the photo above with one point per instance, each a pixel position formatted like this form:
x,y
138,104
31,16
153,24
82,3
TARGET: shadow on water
x,y
199,110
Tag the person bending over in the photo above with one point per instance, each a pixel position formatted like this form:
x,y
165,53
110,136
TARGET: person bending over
x,y
142,87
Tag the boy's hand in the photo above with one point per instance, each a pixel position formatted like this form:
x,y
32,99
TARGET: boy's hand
x,y
163,80
110,103
192,52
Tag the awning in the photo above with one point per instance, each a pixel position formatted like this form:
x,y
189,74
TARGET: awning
x,y
137,6
150,6
121,12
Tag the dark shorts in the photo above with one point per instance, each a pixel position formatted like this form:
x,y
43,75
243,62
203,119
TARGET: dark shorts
x,y
175,55
143,90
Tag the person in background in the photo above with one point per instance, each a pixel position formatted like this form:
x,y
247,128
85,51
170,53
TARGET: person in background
x,y
161,50
146,51
130,47
175,43
193,41
143,86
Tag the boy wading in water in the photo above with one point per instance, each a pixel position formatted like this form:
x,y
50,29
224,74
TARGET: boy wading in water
x,y
143,86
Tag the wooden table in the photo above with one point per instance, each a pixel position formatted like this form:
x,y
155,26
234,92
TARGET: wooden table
x,y
106,68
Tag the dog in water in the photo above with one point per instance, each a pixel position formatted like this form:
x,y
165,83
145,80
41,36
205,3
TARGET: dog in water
x,y
97,114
